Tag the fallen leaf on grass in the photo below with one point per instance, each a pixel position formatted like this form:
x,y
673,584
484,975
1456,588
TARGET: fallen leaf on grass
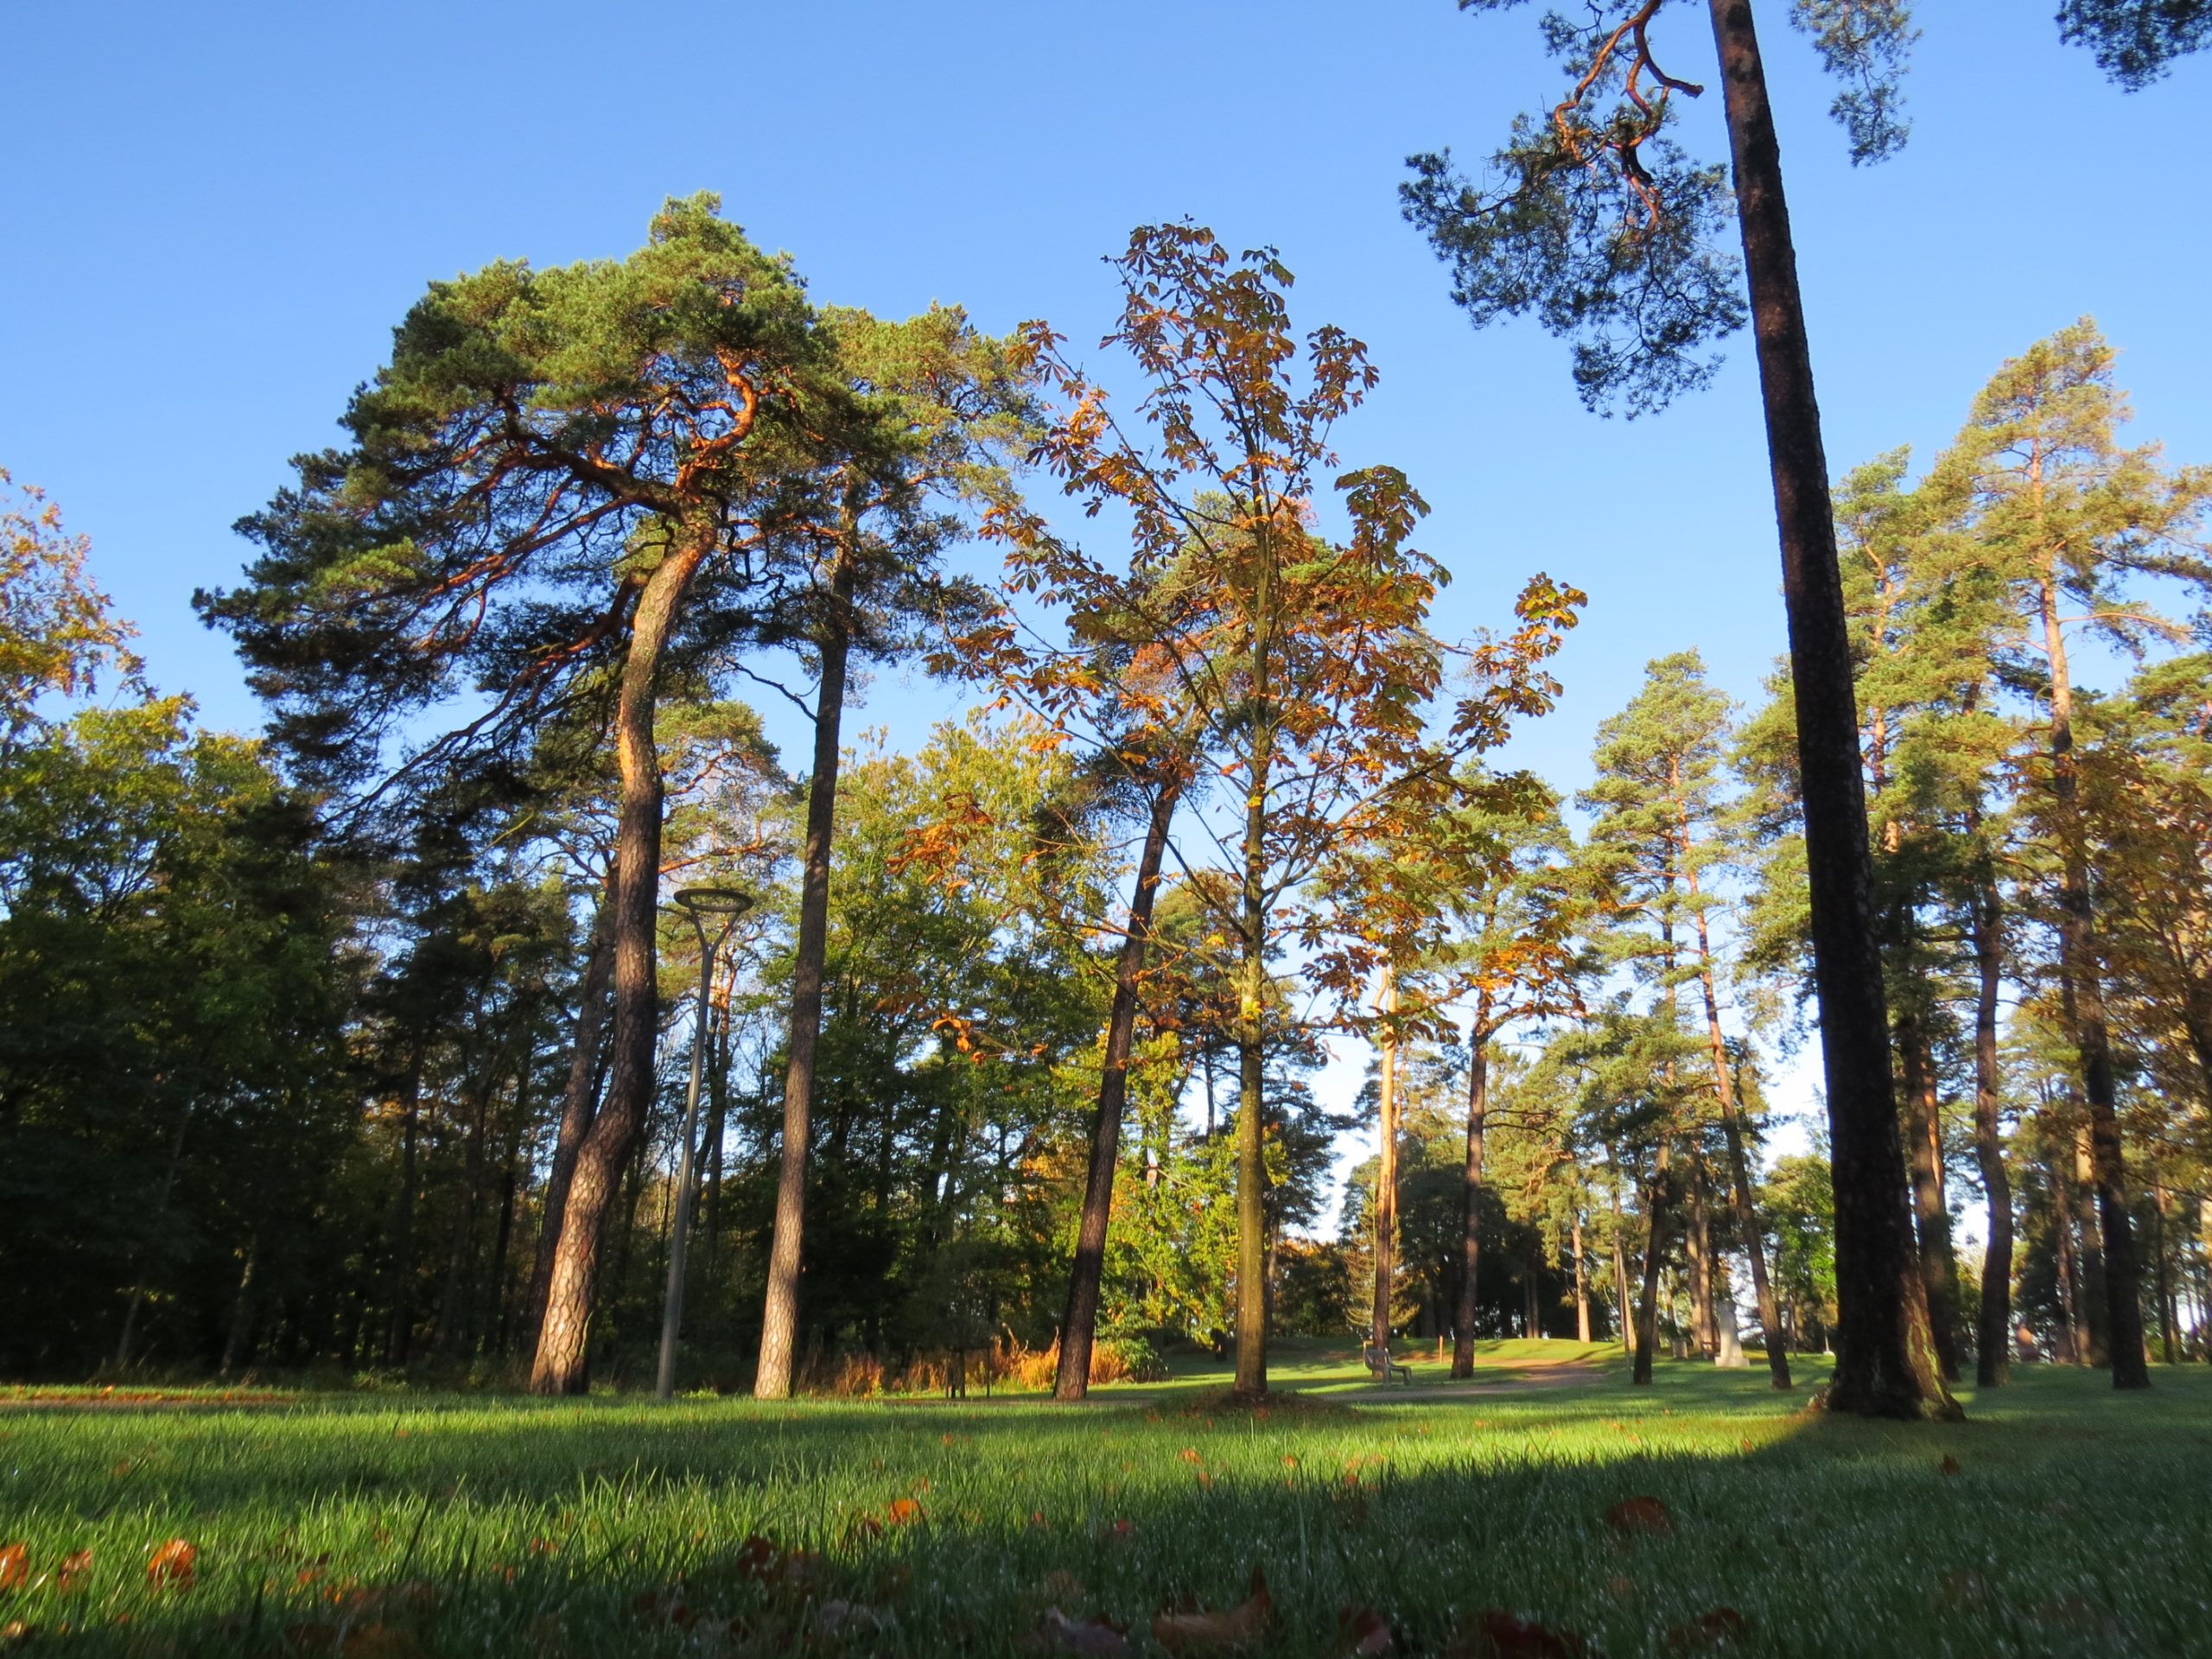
x,y
1056,1633
15,1564
902,1512
1639,1515
1620,1588
666,1603
1722,1624
76,1566
15,1630
1951,1465
171,1567
1189,1454
383,1642
1366,1633
1214,1632
1501,1636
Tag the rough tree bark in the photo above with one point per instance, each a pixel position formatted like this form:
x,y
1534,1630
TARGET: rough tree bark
x,y
1887,1364
779,1318
1656,1203
561,1365
1079,1328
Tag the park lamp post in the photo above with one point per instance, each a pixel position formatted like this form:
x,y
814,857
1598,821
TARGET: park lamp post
x,y
714,912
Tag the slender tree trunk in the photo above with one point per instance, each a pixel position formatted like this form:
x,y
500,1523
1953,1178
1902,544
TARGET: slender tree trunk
x,y
2067,1255
2096,1349
1993,1335
1080,1327
1931,1216
1742,1200
1471,1189
1887,1364
399,1331
1386,1173
1623,1310
779,1316
562,1365
1704,1332
1656,1206
235,1344
576,1103
1582,1288
124,1345
1251,1026
2081,992
2161,1209
492,1319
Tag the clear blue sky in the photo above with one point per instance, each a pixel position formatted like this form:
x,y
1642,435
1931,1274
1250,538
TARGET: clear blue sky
x,y
216,214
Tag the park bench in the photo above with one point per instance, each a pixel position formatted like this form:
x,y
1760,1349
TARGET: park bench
x,y
1383,1367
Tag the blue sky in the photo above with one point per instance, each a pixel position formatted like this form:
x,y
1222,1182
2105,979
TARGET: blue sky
x,y
216,214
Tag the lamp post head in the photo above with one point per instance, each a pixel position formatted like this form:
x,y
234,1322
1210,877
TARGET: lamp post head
x,y
714,912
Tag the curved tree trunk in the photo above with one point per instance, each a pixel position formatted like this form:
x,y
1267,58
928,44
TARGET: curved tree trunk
x,y
779,1318
1994,1333
560,1364
1471,1190
577,1103
1079,1329
1887,1363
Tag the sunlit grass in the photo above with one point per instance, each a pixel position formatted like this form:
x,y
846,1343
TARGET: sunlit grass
x,y
2075,1522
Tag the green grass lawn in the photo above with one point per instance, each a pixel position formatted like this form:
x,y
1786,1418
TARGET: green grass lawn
x,y
2066,1520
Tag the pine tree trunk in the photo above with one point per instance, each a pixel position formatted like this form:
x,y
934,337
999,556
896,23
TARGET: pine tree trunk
x,y
576,1103
2082,998
1931,1216
1623,1310
1582,1288
1993,1335
1742,1201
1386,1175
1079,1328
400,1310
1704,1332
1887,1363
1471,1189
562,1362
235,1344
2089,1278
1655,1205
2067,1257
779,1317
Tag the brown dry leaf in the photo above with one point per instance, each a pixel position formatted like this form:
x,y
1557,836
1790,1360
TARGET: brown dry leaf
x,y
1189,1454
1951,1465
15,1564
16,1630
902,1512
171,1568
1638,1515
76,1566
1367,1634
1620,1588
1219,1632
1712,1630
1501,1636
383,1642
1056,1633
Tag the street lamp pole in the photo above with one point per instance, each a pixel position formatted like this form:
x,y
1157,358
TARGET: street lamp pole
x,y
714,912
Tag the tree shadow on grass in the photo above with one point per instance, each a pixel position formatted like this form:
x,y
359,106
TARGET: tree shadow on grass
x,y
544,1528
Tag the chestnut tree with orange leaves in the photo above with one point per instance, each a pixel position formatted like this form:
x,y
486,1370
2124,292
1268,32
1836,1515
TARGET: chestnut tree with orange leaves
x,y
1283,613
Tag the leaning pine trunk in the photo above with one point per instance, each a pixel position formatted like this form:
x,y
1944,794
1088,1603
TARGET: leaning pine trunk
x,y
1078,1330
576,1103
1993,1334
779,1318
1887,1362
560,1364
